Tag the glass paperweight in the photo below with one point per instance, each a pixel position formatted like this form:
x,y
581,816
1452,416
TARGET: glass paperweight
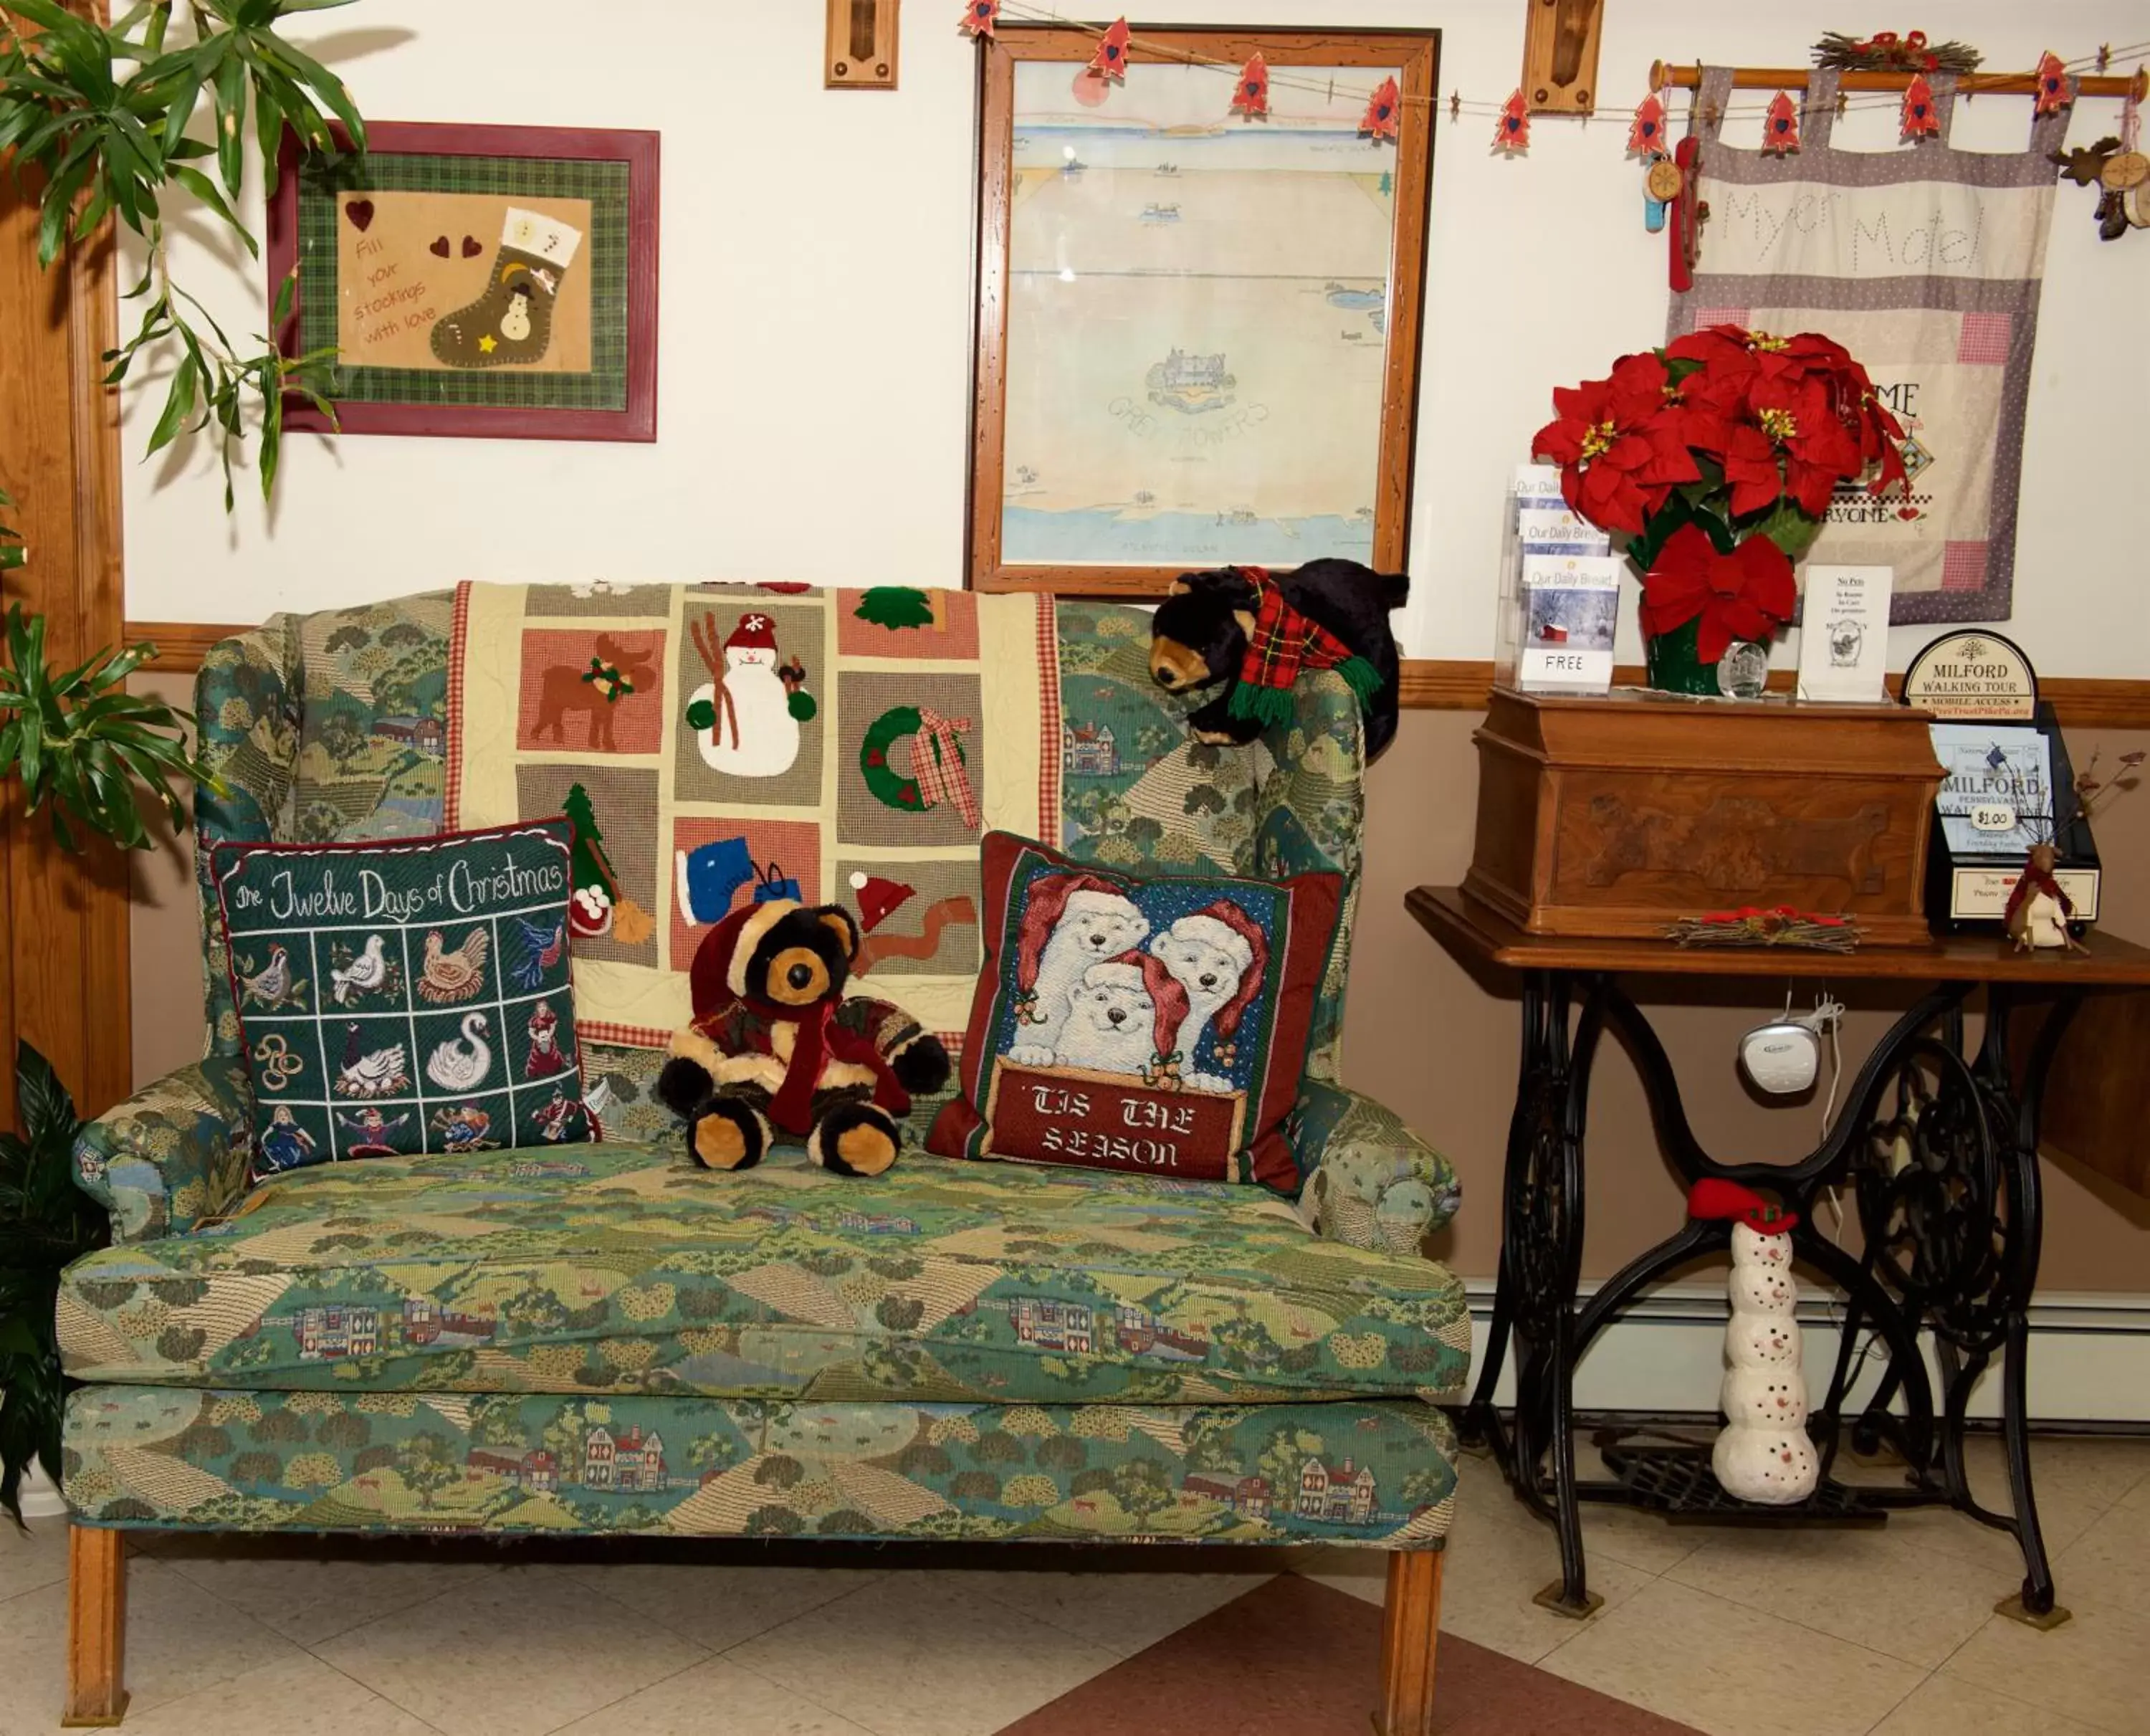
x,y
1742,673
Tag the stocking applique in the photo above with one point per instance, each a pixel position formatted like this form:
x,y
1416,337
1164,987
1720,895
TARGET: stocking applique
x,y
512,320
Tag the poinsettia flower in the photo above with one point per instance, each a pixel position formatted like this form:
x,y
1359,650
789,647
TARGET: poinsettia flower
x,y
1801,421
1751,467
1617,467
1746,594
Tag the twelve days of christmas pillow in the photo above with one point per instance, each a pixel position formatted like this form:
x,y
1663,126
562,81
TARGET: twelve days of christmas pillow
x,y
1157,1023
396,998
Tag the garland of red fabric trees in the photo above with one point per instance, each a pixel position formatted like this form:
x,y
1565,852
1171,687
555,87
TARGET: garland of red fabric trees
x,y
1717,457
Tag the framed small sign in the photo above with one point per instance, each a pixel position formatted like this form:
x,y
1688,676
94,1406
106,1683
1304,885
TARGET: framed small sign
x,y
493,281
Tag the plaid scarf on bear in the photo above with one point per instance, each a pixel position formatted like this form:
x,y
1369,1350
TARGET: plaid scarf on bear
x,y
1283,643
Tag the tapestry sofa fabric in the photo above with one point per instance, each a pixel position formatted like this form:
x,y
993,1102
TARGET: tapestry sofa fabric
x,y
1378,1475
621,1269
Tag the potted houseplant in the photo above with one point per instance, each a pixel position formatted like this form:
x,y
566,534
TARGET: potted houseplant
x,y
1713,461
101,114
46,1222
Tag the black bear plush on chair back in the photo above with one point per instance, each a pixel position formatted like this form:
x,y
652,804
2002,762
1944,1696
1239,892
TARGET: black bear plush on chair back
x,y
1255,630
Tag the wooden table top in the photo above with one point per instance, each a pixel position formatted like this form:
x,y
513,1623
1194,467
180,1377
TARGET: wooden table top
x,y
1470,931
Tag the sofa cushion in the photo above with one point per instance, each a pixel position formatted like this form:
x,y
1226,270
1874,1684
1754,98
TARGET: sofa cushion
x,y
1153,1022
620,1269
1379,1473
404,997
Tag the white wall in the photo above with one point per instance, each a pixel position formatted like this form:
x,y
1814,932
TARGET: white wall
x,y
813,406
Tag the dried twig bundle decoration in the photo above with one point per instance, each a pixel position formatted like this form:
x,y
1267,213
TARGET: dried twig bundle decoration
x,y
1886,52
1782,926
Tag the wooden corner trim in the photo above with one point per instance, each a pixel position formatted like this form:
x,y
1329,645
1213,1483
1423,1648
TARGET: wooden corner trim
x,y
181,645
2083,702
1428,684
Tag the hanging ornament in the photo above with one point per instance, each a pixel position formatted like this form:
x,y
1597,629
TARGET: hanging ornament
x,y
1780,126
1511,132
979,18
1251,96
1382,108
1662,181
2127,168
1646,133
2127,176
1110,58
1920,120
2054,93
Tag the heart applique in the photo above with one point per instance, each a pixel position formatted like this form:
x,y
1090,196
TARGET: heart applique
x,y
440,246
472,247
361,213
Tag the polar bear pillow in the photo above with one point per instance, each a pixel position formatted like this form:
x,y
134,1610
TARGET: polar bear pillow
x,y
1155,1023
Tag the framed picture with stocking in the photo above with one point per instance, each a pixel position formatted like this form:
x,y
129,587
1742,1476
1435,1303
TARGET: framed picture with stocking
x,y
493,281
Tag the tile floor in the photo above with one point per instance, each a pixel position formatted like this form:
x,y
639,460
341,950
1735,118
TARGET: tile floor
x,y
1731,1632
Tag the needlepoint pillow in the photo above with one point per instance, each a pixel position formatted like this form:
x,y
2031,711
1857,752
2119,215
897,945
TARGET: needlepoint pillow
x,y
405,997
1155,1022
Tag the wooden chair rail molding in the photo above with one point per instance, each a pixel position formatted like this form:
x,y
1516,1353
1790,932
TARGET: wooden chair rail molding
x,y
1429,684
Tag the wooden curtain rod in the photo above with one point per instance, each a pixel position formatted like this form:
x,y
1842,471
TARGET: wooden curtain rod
x,y
2007,84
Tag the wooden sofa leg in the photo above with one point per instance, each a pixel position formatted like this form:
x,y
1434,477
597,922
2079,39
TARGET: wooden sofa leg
x,y
1411,1628
97,1626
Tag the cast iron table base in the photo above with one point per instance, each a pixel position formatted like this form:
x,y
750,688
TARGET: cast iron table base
x,y
1940,1147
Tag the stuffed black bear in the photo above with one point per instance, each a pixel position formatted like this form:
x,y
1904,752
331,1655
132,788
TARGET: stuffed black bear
x,y
838,1077
1254,631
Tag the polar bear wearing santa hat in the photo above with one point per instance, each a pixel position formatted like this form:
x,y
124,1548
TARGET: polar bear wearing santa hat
x,y
1070,922
1124,1017
1218,956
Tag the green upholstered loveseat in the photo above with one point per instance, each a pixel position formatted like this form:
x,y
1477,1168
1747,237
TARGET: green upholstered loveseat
x,y
601,1339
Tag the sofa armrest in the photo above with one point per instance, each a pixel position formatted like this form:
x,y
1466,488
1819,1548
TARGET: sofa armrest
x,y
247,701
1369,1180
174,1153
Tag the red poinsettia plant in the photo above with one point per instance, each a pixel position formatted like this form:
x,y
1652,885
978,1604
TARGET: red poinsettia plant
x,y
1716,458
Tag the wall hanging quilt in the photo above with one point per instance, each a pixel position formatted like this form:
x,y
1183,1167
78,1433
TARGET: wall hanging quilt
x,y
1925,262
396,998
717,744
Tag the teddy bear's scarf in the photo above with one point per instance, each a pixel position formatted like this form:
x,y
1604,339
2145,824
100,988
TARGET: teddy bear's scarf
x,y
817,1038
1283,643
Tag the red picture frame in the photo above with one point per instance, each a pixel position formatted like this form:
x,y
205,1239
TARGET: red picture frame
x,y
633,420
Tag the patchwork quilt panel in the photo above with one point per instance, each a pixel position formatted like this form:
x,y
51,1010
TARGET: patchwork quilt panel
x,y
620,1268
720,744
1380,1474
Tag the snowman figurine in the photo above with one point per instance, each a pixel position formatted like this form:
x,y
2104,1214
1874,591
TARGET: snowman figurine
x,y
754,733
1765,1455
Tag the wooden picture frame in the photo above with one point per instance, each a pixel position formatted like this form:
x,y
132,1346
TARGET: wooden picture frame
x,y
582,204
1320,80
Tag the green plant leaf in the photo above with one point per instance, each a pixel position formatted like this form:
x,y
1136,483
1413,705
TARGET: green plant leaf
x,y
179,406
230,110
1788,527
326,86
204,189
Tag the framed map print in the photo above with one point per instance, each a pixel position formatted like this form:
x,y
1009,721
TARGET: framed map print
x,y
475,281
1198,315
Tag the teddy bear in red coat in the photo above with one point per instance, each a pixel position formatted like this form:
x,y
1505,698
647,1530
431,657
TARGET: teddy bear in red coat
x,y
776,1045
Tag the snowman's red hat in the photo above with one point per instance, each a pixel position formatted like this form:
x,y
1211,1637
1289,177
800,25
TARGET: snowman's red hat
x,y
1713,1197
755,632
